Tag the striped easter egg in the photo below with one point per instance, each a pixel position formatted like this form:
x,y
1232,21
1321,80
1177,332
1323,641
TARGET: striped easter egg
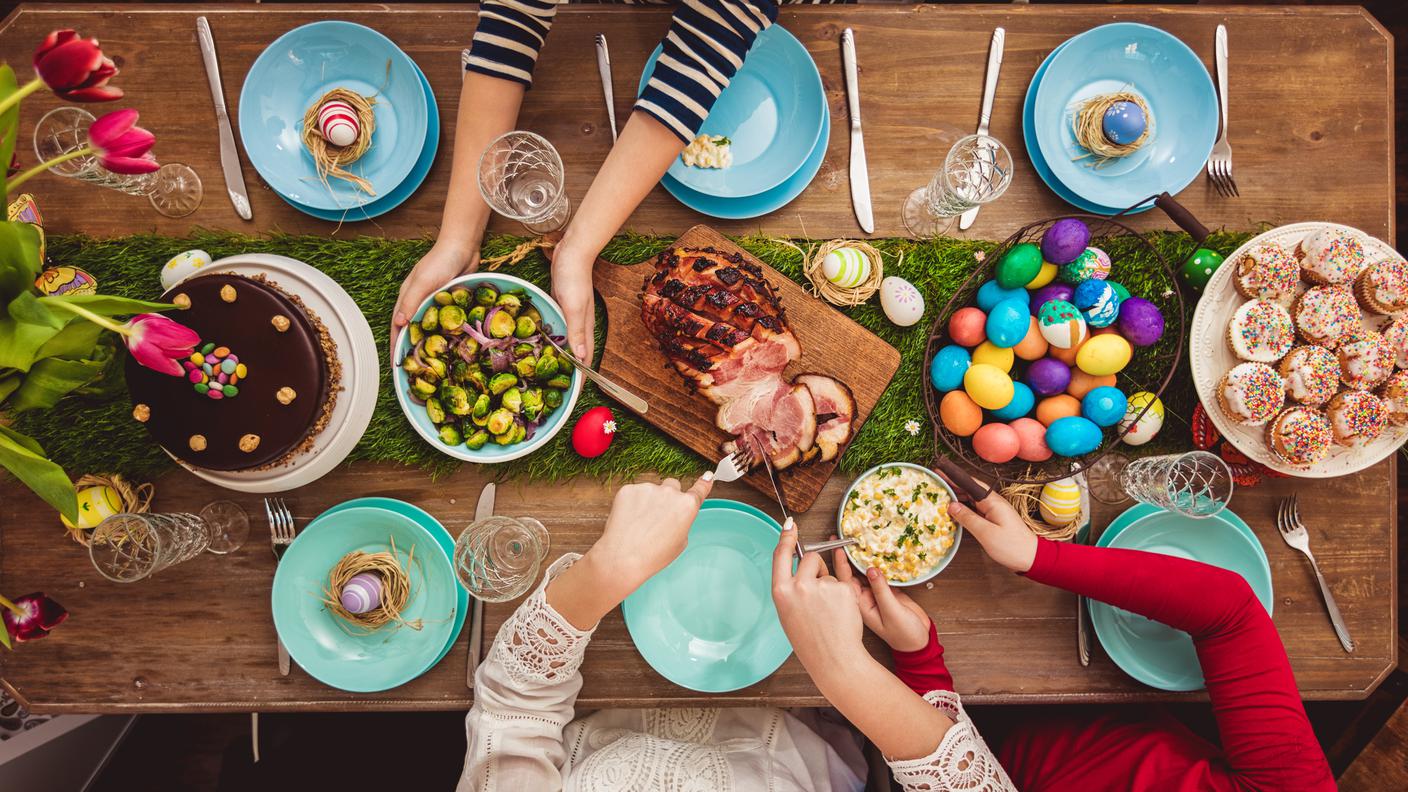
x,y
362,593
1060,502
338,123
846,267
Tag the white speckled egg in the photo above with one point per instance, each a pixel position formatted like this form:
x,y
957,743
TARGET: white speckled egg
x,y
1060,502
901,302
181,265
1143,430
846,267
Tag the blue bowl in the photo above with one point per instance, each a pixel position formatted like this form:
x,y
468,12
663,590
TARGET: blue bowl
x,y
1161,69
1039,164
299,67
772,111
490,453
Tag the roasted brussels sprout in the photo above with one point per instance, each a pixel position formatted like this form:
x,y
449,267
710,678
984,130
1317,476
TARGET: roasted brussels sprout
x,y
411,366
561,381
532,313
481,406
452,319
435,345
510,303
500,421
547,366
522,350
477,440
486,295
430,320
435,369
416,333
456,399
461,296
443,298
524,327
502,382
435,410
525,367
450,434
476,379
468,349
422,389
476,314
552,399
533,404
479,420
512,400
459,371
501,325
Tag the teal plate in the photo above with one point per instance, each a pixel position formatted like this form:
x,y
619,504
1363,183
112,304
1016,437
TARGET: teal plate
x,y
436,530
1154,653
707,622
317,640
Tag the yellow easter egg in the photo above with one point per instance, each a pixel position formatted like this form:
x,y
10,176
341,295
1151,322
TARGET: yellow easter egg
x,y
988,386
1103,355
1045,275
993,355
1059,503
95,504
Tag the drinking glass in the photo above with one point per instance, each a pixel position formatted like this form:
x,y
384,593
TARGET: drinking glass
x,y
129,547
174,190
1102,479
521,178
1196,484
497,558
977,170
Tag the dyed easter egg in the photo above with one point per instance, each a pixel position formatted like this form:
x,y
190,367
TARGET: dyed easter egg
x,y
1104,354
1199,267
1141,322
1045,275
1092,263
988,386
1008,322
966,326
959,414
1123,123
1018,266
990,294
947,368
362,593
1054,408
1138,432
1053,291
1059,503
1119,289
993,355
1098,303
1023,400
1083,383
846,267
1031,438
1066,355
181,265
1104,406
996,443
1048,376
1062,324
593,432
338,122
900,301
1064,241
1073,436
1033,345
95,504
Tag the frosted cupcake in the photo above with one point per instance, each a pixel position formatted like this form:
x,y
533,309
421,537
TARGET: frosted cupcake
x,y
1394,394
1251,393
1396,334
1356,417
1312,374
1383,286
1330,256
1266,272
1300,436
1365,361
1325,314
1261,331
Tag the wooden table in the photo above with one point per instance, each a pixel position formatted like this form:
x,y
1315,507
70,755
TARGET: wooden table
x,y
1312,113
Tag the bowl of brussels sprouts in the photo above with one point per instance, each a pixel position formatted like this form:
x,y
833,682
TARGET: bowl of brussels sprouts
x,y
475,374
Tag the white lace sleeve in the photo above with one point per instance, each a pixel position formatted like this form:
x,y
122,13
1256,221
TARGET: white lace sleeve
x,y
962,762
537,646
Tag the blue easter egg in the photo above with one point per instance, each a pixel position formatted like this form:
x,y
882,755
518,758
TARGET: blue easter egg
x,y
1023,400
1104,406
1098,302
948,367
990,294
1073,436
1123,123
1008,323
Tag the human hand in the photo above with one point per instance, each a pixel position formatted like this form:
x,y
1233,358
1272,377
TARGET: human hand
x,y
444,261
890,614
572,288
999,529
647,529
818,612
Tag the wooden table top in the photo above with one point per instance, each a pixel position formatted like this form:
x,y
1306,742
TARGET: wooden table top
x,y
1312,88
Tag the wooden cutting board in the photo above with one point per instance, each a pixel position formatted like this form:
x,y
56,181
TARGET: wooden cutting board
x,y
831,343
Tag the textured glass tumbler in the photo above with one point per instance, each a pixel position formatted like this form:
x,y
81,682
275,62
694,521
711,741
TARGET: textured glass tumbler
x,y
497,559
1196,484
129,547
977,170
175,190
521,177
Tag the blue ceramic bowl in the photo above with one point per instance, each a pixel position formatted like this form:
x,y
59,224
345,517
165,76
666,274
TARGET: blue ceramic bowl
x,y
772,111
299,67
941,563
490,453
1039,164
1170,78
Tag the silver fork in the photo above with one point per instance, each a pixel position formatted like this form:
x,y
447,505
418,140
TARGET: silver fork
x,y
732,467
280,537
1293,531
1220,160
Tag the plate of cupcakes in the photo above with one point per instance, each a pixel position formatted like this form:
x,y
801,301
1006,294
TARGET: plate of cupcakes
x,y
1299,349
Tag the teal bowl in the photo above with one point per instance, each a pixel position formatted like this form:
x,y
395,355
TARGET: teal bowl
x,y
957,529
321,643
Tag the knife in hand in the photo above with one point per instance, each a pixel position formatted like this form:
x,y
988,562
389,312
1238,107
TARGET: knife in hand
x,y
860,174
229,155
999,39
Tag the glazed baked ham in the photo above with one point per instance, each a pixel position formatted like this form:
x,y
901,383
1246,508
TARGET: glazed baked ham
x,y
723,328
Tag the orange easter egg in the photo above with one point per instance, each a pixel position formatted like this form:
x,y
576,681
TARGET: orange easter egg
x,y
1082,383
1059,406
960,414
1033,346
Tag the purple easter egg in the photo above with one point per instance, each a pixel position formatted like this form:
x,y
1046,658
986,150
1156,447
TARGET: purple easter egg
x,y
1141,322
1054,291
362,593
1064,241
1048,376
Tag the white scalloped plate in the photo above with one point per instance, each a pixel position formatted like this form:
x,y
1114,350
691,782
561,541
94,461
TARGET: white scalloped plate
x,y
1211,358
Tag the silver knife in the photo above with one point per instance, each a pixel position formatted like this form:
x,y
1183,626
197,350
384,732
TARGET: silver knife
x,y
608,387
229,155
999,38
1088,535
603,67
484,510
860,174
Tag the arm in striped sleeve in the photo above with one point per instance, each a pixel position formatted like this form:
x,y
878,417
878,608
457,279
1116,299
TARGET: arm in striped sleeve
x,y
509,36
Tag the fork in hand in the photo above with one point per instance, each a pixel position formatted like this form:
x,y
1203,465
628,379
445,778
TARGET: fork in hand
x,y
280,537
1220,160
1293,531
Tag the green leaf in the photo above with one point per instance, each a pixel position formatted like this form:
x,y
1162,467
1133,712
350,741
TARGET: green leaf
x,y
26,307
50,380
5,637
75,342
20,342
9,382
25,459
19,256
10,124
106,304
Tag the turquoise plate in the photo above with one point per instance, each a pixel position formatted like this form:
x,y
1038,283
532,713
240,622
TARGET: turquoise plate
x,y
436,530
706,622
317,640
1039,164
1154,653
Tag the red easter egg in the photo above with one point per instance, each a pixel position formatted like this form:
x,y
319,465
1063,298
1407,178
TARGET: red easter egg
x,y
968,326
592,434
996,442
1031,435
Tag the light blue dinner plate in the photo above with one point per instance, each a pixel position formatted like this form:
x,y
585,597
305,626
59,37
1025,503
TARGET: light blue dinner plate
x,y
1154,64
320,642
762,203
772,111
1154,653
707,622
299,67
1039,164
408,185
436,530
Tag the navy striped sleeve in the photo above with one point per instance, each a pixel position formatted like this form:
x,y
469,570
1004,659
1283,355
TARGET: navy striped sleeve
x,y
705,47
509,36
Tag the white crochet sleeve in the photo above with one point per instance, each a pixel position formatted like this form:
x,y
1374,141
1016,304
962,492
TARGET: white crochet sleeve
x,y
962,762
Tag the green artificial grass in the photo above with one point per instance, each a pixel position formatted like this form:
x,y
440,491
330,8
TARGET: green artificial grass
x,y
94,432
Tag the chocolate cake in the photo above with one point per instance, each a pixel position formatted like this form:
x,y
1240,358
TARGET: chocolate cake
x,y
261,385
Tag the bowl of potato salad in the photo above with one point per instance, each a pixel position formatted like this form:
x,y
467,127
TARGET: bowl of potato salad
x,y
898,515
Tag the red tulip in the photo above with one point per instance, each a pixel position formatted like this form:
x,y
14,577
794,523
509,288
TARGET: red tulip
x,y
121,145
75,68
37,616
160,343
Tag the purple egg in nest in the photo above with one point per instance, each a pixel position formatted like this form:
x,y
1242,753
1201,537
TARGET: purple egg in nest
x,y
1064,240
1048,376
1054,291
1141,322
362,593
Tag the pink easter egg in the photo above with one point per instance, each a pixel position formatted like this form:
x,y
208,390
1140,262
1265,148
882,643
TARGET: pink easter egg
x,y
1031,440
996,442
966,326
338,123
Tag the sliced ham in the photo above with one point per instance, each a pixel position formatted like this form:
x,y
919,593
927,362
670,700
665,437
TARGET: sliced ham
x,y
835,409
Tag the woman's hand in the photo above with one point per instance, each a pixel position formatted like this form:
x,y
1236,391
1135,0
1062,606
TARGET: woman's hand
x,y
572,288
818,612
999,529
890,614
445,260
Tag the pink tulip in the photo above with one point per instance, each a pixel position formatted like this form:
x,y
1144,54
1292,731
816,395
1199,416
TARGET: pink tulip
x,y
37,616
121,145
160,343
75,68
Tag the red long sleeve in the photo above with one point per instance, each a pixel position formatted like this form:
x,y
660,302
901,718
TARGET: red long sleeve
x,y
924,670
